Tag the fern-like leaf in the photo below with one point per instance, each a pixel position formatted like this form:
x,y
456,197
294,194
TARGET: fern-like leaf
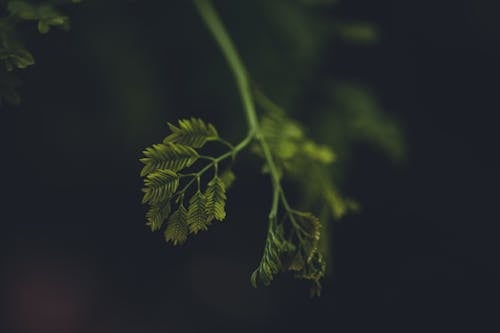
x,y
313,270
177,229
271,262
168,156
192,132
310,230
215,200
196,215
157,214
160,185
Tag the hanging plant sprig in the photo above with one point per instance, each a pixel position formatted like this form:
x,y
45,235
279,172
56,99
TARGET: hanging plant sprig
x,y
189,206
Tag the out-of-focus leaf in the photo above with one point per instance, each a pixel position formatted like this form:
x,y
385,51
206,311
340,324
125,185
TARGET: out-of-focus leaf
x,y
358,32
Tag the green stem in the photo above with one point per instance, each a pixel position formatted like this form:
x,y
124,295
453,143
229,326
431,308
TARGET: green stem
x,y
219,33
213,163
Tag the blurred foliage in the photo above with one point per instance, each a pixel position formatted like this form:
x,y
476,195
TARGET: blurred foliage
x,y
13,54
350,114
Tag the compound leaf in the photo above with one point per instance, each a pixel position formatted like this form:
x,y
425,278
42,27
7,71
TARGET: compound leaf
x,y
192,132
157,214
196,215
177,229
160,185
215,200
168,156
310,230
270,263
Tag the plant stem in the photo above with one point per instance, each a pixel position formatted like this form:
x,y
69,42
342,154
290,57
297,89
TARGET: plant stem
x,y
219,33
214,163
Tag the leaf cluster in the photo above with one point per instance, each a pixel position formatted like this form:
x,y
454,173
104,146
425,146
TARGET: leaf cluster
x,y
13,53
292,245
166,188
303,161
299,243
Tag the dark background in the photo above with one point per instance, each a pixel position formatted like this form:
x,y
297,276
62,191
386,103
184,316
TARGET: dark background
x,y
420,256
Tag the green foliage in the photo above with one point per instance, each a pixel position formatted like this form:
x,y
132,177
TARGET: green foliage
x,y
295,242
295,250
192,132
228,178
45,14
157,214
168,156
352,114
303,161
215,200
163,164
160,185
177,229
197,218
13,54
271,263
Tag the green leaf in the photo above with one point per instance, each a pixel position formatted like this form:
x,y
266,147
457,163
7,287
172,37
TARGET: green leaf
x,y
228,177
270,263
314,269
43,27
215,200
15,55
177,229
160,185
46,14
157,214
168,156
310,231
196,216
192,132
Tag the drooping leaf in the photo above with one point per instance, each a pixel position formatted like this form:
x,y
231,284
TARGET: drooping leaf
x,y
271,263
215,200
160,185
177,228
157,214
314,270
196,216
310,230
168,156
192,132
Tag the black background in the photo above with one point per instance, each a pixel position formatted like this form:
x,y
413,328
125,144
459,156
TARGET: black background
x,y
421,256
